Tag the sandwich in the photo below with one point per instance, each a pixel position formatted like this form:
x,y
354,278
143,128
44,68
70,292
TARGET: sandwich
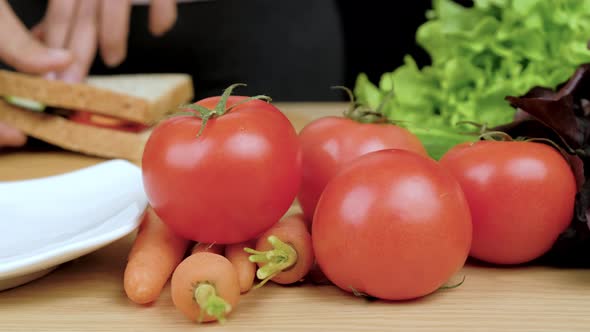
x,y
106,116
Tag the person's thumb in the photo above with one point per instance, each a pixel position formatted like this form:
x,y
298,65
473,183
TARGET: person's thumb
x,y
11,137
20,50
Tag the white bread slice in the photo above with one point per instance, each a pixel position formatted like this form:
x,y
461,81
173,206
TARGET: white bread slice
x,y
56,130
143,98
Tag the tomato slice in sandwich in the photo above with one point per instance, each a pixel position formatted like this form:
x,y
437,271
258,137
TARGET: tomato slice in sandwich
x,y
105,121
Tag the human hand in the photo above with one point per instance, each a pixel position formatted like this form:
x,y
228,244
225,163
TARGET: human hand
x,y
19,49
83,27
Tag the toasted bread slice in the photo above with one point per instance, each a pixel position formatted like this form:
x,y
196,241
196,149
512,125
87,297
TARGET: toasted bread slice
x,y
142,98
59,131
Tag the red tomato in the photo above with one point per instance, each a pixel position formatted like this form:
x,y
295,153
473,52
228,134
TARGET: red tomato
x,y
521,196
391,224
330,142
229,184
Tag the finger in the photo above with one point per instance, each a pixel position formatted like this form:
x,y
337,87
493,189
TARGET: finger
x,y
11,137
58,22
162,16
113,30
38,31
56,25
22,51
82,42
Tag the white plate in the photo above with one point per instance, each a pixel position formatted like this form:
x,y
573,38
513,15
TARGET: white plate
x,y
49,221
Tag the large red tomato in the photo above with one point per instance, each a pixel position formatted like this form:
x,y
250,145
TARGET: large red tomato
x,y
330,142
521,196
230,183
392,224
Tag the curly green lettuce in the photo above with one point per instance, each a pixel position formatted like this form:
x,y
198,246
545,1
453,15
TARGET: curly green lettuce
x,y
479,55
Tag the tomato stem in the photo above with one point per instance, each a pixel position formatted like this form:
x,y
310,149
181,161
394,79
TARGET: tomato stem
x,y
257,97
496,136
366,296
220,109
481,128
276,260
453,286
351,101
362,113
563,151
210,303
204,113
502,136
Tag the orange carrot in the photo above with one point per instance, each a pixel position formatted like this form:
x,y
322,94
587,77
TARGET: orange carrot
x,y
154,255
240,259
284,252
307,221
208,247
205,287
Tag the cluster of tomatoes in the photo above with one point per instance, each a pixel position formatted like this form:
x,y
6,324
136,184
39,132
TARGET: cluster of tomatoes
x,y
387,220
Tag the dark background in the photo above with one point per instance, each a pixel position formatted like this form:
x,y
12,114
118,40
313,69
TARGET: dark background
x,y
291,50
378,34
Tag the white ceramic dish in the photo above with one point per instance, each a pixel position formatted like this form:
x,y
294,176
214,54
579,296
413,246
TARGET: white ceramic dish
x,y
49,221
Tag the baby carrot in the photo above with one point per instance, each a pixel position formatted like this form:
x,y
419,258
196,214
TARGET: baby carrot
x,y
306,221
207,247
240,259
205,287
284,252
154,255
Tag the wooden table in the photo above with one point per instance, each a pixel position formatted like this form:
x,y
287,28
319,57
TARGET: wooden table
x,y
87,295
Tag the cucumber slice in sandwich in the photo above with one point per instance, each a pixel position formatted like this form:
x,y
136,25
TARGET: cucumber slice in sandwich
x,y
25,103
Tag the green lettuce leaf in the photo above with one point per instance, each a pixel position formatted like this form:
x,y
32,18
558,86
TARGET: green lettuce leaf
x,y
479,55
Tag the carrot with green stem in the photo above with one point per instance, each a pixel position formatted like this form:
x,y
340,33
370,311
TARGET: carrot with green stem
x,y
284,253
244,267
205,287
154,255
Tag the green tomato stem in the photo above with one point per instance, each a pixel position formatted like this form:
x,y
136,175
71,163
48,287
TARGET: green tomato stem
x,y
210,303
280,258
362,113
496,136
220,109
453,286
